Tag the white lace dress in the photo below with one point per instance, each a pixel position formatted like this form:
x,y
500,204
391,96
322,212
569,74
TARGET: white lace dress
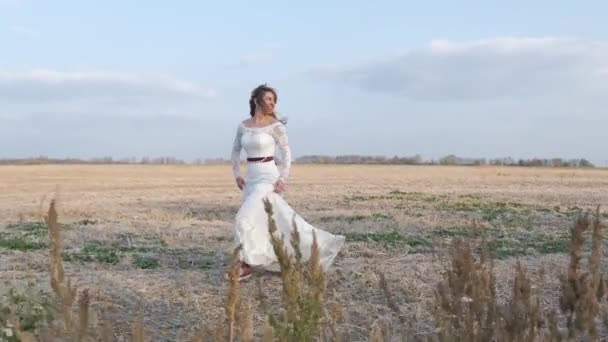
x,y
251,222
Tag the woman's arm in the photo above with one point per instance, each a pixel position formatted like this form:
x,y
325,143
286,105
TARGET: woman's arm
x,y
279,134
236,154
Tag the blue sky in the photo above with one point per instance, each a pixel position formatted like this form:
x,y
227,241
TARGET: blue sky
x,y
473,78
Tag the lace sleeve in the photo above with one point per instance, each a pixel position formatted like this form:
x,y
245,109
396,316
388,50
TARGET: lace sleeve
x,y
236,152
279,134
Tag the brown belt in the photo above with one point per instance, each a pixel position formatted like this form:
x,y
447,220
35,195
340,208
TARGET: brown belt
x,y
260,159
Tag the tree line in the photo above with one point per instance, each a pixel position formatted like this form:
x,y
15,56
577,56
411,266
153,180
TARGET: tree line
x,y
447,160
318,159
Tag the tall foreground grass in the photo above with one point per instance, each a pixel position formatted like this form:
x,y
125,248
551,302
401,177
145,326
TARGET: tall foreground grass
x,y
466,303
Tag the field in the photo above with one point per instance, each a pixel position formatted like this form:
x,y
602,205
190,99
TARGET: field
x,y
157,240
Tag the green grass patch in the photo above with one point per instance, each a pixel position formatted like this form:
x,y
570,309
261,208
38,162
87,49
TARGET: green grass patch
x,y
467,203
429,198
358,218
145,262
31,227
398,195
471,197
94,252
501,245
388,239
489,211
125,244
24,236
204,264
21,244
508,248
105,254
417,196
573,212
479,205
140,249
457,232
363,198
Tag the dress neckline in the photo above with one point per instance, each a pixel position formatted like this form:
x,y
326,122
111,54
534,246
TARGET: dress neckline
x,y
260,127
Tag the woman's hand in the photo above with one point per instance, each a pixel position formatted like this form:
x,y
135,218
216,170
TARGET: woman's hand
x,y
240,182
279,187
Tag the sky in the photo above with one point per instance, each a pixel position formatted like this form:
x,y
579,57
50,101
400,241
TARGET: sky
x,y
479,79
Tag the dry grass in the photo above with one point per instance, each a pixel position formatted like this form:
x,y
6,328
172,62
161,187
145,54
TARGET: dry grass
x,y
397,224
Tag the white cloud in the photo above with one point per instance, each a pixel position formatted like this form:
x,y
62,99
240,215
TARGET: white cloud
x,y
499,68
95,92
24,31
53,85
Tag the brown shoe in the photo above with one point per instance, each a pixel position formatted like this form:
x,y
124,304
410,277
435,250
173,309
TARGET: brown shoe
x,y
245,271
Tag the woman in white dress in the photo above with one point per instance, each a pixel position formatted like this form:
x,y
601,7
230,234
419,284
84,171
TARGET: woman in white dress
x,y
260,136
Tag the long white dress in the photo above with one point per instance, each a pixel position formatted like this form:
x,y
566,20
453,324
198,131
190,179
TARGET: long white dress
x,y
251,222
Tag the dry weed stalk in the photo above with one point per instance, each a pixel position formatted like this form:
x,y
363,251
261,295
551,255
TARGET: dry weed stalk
x,y
138,329
67,294
57,273
303,289
107,334
83,306
233,300
375,333
268,331
407,327
219,334
521,317
335,315
246,329
468,310
239,322
582,291
466,298
200,334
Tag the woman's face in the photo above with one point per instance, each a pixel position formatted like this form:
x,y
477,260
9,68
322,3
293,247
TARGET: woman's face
x,y
267,103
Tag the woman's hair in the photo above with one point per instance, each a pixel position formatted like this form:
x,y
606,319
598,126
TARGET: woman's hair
x,y
258,94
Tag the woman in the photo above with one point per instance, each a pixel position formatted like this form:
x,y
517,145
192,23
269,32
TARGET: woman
x,y
260,136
